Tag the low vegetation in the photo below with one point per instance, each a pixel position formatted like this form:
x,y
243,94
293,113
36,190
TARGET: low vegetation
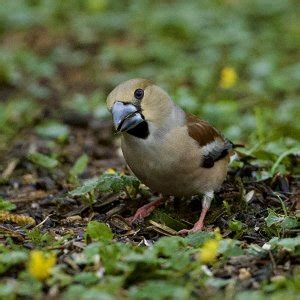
x,y
65,191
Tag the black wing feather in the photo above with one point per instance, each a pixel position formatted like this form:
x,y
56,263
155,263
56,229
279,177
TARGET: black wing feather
x,y
215,153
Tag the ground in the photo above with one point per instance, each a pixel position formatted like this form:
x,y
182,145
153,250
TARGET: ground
x,y
65,190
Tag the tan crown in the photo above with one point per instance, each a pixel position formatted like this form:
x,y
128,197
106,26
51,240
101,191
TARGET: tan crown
x,y
155,105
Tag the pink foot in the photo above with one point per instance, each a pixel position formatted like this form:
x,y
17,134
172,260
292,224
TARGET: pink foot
x,y
197,227
145,210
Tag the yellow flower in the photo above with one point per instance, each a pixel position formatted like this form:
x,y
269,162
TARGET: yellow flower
x,y
209,251
218,235
40,264
110,171
228,78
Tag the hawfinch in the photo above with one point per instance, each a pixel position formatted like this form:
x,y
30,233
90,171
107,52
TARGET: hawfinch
x,y
171,151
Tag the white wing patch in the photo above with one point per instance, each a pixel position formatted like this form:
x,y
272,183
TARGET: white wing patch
x,y
215,148
215,151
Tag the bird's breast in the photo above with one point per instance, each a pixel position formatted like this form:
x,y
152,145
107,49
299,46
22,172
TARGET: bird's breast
x,y
169,164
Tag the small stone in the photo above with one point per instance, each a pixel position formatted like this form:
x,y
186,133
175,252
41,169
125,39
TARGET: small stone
x,y
278,278
249,196
266,246
244,274
72,220
256,285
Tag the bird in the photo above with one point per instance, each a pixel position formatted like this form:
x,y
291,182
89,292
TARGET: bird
x,y
171,151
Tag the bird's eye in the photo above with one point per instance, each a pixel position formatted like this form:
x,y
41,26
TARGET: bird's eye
x,y
139,94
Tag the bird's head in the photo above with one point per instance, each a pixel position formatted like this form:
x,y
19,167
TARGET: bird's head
x,y
136,103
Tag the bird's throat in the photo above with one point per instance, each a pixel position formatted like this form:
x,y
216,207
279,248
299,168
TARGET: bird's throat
x,y
140,131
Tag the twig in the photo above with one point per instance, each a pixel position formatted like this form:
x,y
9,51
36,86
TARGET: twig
x,y
40,224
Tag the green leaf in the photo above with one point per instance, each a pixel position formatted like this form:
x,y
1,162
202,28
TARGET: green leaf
x,y
86,278
110,182
252,295
98,231
53,129
273,218
236,225
43,160
12,258
285,222
294,151
197,239
6,205
129,180
88,186
94,293
29,288
39,239
106,183
7,290
75,291
290,223
229,247
166,219
153,290
79,291
113,255
90,251
80,165
219,282
289,244
168,246
116,182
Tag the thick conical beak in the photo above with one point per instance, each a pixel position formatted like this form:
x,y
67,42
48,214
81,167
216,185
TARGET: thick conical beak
x,y
125,116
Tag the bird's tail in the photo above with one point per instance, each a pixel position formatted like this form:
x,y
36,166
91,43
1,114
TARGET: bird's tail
x,y
237,145
235,155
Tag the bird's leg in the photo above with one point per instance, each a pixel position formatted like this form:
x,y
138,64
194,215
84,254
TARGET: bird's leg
x,y
206,201
146,210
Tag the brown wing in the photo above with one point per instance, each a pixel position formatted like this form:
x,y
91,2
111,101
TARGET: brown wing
x,y
215,146
201,131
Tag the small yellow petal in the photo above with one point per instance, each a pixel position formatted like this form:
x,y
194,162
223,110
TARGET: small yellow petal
x,y
209,251
228,78
41,264
110,171
218,235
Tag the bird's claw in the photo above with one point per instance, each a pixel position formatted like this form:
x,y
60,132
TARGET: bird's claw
x,y
184,232
145,210
141,213
197,227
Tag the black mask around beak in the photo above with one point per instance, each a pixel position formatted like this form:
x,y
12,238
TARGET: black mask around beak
x,y
125,116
